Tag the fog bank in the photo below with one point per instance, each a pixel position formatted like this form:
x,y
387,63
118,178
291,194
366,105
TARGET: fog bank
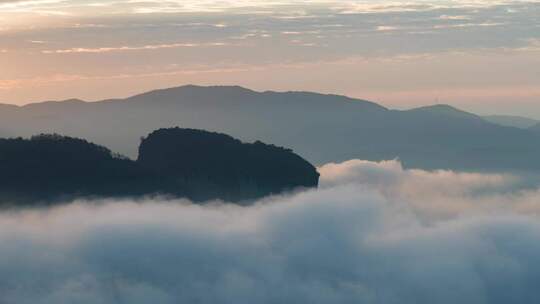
x,y
372,233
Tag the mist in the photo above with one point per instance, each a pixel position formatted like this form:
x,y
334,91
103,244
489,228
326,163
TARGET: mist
x,y
372,233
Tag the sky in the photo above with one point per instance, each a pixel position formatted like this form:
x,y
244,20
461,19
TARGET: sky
x,y
479,55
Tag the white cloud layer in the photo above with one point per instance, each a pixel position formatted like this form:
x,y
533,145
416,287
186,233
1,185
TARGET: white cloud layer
x,y
373,233
169,6
133,48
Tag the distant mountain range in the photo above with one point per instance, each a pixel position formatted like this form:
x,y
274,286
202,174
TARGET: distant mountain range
x,y
512,121
535,128
176,162
321,128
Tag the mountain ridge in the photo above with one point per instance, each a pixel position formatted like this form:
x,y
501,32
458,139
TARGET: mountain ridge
x,y
445,110
187,88
184,163
512,121
321,127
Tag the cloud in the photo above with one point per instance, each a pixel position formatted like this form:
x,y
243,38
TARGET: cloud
x,y
434,196
373,7
299,8
38,6
386,28
133,48
358,239
467,25
454,17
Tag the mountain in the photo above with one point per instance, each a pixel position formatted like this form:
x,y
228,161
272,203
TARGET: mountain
x,y
195,164
445,112
205,162
512,121
322,128
535,128
54,167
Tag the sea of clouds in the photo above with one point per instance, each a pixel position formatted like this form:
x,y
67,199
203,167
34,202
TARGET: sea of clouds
x,y
372,233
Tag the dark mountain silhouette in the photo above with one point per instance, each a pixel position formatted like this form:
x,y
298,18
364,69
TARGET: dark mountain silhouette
x,y
222,164
189,163
445,112
56,167
322,128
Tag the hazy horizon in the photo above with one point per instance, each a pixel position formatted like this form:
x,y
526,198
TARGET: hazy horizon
x,y
486,113
480,56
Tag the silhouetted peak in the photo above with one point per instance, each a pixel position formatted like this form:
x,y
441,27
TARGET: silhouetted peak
x,y
54,104
6,106
165,133
446,110
189,163
73,101
222,88
53,146
237,95
195,92
225,161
